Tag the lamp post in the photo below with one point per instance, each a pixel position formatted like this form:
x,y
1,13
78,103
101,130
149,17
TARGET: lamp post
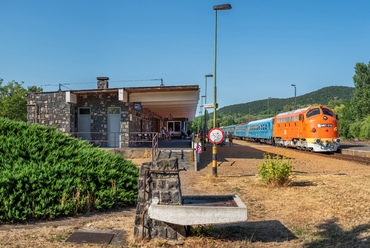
x,y
214,150
205,102
268,106
201,114
295,96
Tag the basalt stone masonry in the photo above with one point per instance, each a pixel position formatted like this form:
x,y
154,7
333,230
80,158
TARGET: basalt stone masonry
x,y
99,104
159,179
50,109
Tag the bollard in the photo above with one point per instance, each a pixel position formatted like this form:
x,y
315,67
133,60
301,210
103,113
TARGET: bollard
x,y
214,160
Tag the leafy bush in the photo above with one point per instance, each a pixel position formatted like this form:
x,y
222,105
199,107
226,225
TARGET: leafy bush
x,y
46,174
365,128
355,129
275,171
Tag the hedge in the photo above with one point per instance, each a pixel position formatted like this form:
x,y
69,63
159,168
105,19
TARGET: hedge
x,y
45,174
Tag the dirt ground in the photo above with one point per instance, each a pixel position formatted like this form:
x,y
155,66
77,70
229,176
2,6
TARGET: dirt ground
x,y
327,205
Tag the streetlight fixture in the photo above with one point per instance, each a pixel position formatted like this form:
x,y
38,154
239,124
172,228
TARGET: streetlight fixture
x,y
214,150
295,96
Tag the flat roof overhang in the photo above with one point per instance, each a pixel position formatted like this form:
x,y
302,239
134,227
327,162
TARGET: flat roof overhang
x,y
177,101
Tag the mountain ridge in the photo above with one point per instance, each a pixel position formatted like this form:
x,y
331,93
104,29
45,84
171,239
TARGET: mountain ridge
x,y
276,105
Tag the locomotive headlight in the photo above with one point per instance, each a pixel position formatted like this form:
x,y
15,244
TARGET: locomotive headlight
x,y
325,117
313,129
318,141
337,140
336,129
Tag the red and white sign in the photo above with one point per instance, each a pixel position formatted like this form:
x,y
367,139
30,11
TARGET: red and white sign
x,y
216,135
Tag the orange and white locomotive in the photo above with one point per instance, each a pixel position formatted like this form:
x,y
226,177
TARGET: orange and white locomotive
x,y
313,128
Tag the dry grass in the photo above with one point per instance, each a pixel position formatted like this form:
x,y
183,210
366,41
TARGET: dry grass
x,y
327,205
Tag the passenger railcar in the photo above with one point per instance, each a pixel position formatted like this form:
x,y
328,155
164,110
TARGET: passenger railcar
x,y
228,129
241,131
260,130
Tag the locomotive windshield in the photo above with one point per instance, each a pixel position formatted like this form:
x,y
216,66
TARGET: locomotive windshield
x,y
326,111
312,112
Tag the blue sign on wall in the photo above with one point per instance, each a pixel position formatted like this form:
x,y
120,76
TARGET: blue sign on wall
x,y
137,105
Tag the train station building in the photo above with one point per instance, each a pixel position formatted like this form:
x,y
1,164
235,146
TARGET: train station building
x,y
115,116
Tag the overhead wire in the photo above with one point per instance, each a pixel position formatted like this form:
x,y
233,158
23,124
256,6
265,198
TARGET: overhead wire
x,y
119,81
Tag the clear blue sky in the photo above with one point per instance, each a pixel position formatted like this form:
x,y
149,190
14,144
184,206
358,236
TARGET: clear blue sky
x,y
263,46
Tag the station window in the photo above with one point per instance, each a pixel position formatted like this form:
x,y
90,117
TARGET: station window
x,y
174,125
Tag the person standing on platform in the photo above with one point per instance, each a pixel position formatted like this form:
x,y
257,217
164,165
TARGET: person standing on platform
x,y
170,134
231,139
183,133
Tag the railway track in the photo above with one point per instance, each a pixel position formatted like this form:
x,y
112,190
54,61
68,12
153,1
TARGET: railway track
x,y
337,155
357,159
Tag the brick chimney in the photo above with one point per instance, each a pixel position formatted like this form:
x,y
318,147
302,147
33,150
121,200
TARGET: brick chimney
x,y
102,82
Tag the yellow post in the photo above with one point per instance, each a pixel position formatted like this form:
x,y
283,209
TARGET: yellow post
x,y
214,160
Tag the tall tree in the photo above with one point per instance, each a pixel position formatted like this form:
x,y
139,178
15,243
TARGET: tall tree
x,y
360,103
13,100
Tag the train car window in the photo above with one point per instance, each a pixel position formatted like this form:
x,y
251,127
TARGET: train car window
x,y
326,111
313,112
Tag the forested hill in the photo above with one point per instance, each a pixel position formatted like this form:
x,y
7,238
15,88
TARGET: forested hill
x,y
320,97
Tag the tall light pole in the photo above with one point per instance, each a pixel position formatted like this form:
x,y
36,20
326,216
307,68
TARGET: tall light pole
x,y
205,102
295,96
214,150
201,114
268,106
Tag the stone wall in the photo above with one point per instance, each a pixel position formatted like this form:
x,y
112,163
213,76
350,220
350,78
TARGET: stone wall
x,y
142,122
166,187
99,104
51,109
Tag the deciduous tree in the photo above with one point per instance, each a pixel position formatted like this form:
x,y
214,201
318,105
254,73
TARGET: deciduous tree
x,y
360,103
13,100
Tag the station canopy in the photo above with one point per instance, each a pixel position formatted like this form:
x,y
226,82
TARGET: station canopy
x,y
167,101
163,101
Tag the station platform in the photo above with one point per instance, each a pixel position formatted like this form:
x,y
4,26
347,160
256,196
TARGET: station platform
x,y
355,148
145,150
175,144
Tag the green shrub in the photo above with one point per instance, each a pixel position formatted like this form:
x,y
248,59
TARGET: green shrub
x,y
46,174
275,171
365,128
355,129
